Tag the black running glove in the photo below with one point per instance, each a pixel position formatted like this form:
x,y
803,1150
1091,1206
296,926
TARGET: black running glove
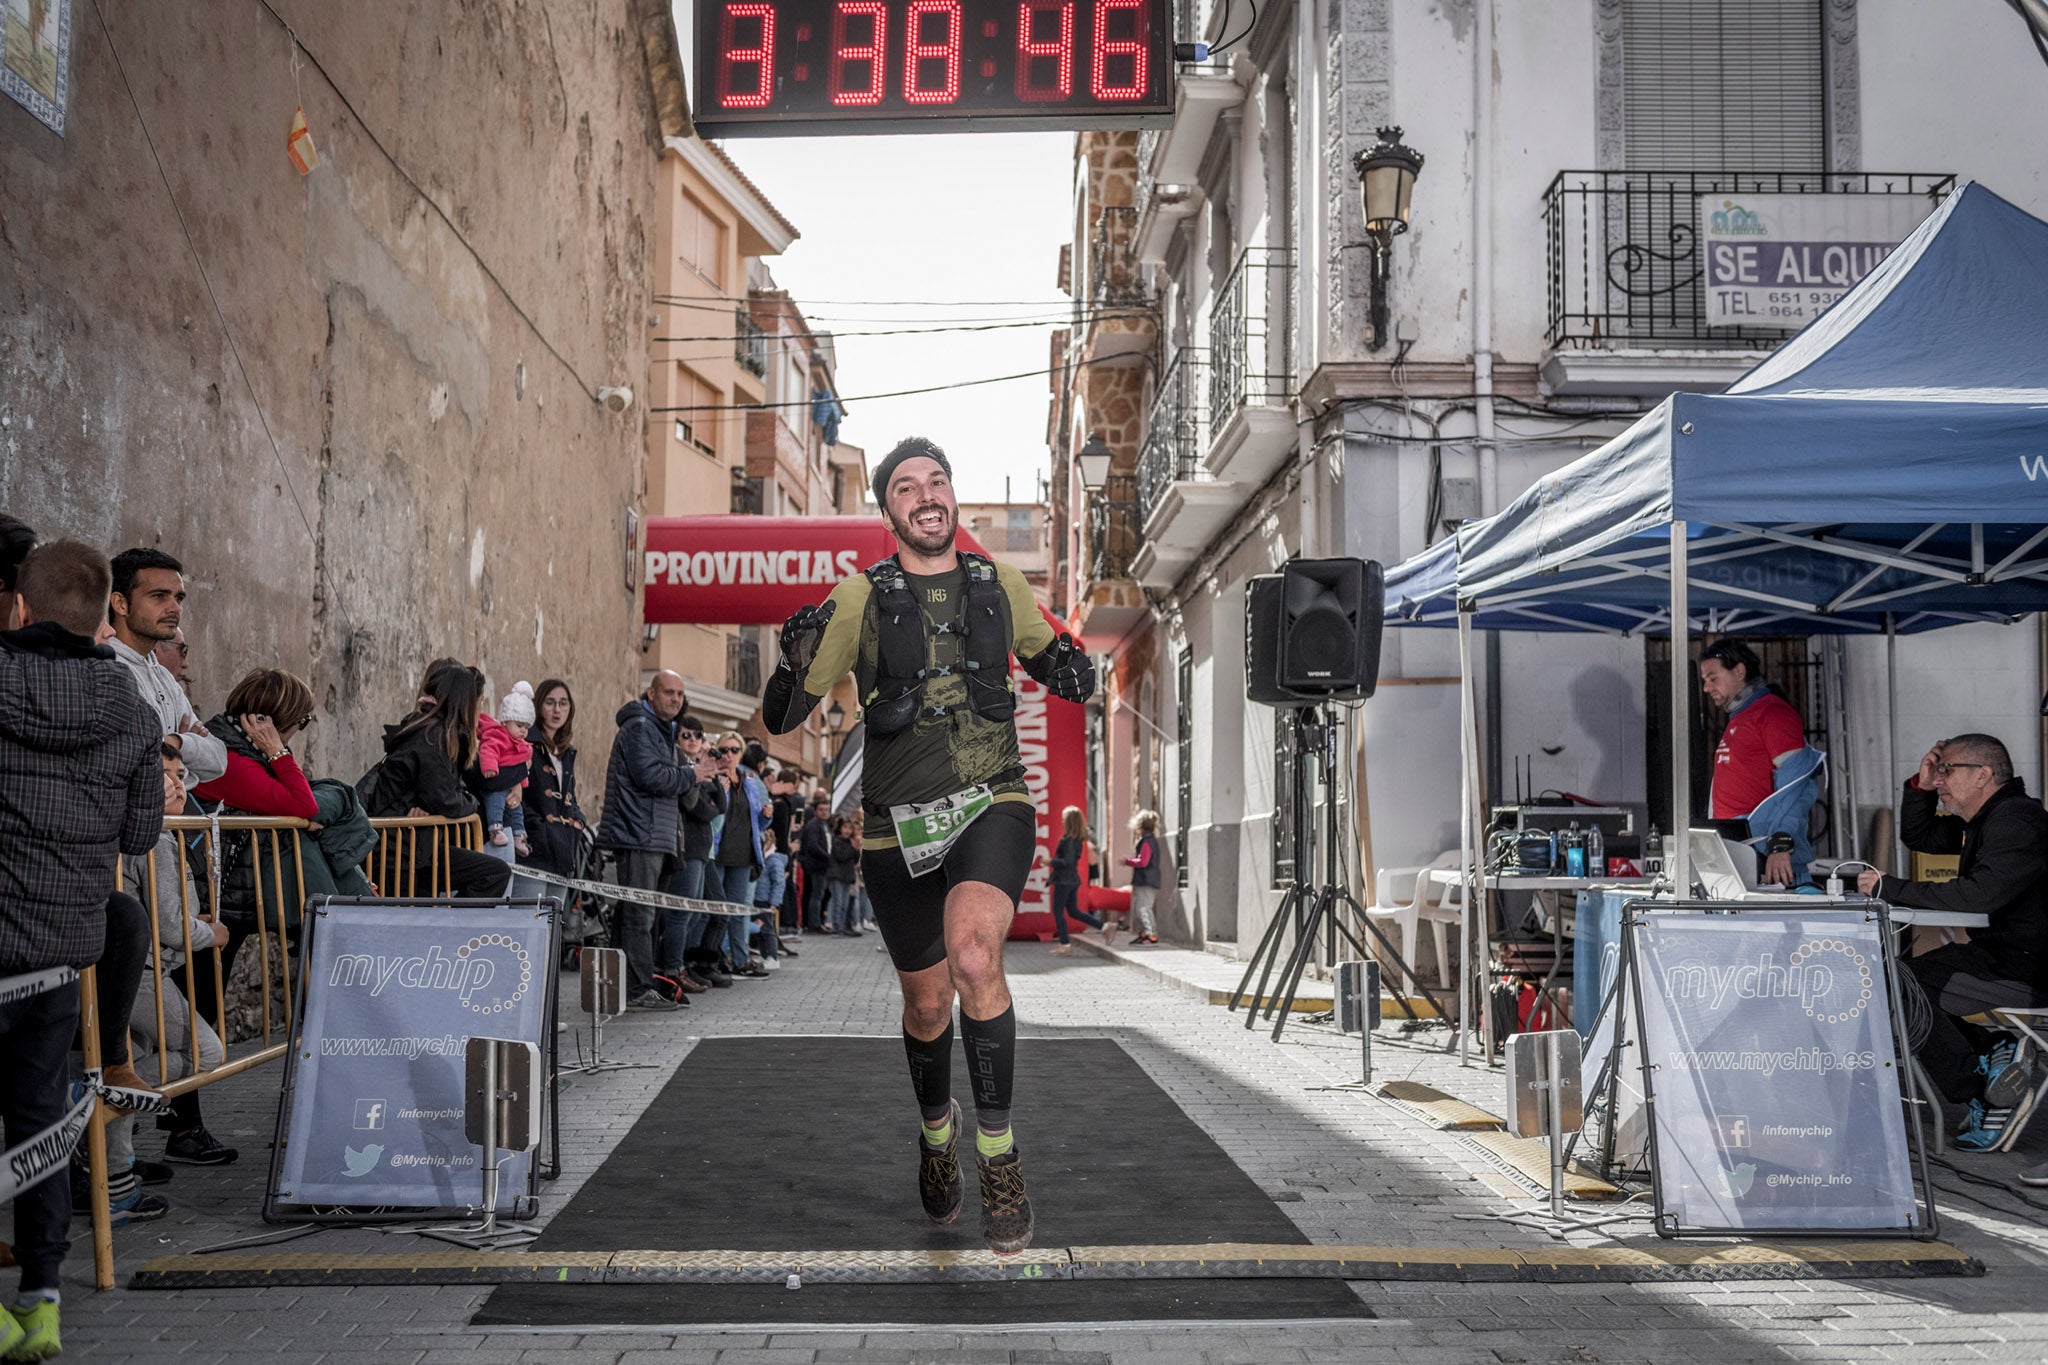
x,y
802,633
1064,669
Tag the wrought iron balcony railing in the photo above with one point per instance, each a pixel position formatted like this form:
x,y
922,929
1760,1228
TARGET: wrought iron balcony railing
x,y
1177,436
1114,279
750,343
1625,267
1251,334
743,664
1115,528
1141,192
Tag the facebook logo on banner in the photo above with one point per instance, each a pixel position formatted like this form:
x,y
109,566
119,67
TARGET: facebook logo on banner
x,y
370,1113
1732,1129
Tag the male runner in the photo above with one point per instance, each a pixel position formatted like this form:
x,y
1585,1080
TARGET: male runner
x,y
950,828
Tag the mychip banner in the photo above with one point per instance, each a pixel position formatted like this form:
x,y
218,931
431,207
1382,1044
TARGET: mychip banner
x,y
394,989
1776,1094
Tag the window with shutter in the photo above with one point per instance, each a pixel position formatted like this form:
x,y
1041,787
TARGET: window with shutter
x,y
1723,85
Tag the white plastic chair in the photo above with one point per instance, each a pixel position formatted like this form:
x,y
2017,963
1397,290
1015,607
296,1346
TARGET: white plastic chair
x,y
1407,896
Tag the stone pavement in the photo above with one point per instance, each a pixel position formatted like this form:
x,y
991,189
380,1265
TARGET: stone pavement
x,y
1344,1166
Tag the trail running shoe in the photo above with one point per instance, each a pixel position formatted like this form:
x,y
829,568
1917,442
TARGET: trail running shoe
x,y
939,1185
38,1328
2007,1079
1006,1223
1984,1127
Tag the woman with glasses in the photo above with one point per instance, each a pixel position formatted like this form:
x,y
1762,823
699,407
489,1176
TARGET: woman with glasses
x,y
555,823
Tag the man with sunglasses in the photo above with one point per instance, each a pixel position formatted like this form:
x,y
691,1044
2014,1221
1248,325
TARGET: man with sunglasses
x,y
2001,834
950,828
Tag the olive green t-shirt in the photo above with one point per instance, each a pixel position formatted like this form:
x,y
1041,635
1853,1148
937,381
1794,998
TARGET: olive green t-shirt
x,y
933,756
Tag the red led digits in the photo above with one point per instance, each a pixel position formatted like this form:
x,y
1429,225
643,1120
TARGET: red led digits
x,y
846,53
1107,47
761,58
917,52
1045,45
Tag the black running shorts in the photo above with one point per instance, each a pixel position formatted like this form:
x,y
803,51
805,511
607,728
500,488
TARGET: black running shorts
x,y
911,911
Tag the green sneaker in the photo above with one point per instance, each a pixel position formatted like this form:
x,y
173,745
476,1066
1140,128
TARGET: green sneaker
x,y
38,1328
1006,1223
938,1174
11,1334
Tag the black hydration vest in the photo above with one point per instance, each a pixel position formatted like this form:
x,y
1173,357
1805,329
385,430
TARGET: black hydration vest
x,y
894,697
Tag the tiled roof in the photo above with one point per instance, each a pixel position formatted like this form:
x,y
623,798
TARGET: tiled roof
x,y
741,175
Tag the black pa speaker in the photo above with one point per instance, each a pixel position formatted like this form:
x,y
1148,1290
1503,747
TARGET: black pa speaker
x,y
1312,632
1262,646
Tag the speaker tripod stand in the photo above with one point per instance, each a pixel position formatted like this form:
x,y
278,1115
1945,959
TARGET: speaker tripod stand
x,y
1311,908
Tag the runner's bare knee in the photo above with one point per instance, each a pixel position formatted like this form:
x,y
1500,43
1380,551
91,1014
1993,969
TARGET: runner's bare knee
x,y
927,1001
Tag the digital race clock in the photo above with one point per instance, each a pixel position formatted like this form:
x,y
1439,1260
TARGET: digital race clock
x,y
872,66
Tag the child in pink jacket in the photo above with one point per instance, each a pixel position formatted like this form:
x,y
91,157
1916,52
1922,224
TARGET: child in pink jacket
x,y
501,744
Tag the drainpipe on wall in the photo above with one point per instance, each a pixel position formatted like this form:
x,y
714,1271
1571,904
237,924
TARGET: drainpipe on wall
x,y
1310,233
1482,339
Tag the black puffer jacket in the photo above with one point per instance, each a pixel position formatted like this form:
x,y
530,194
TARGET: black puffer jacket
x,y
702,802
641,783
80,782
415,771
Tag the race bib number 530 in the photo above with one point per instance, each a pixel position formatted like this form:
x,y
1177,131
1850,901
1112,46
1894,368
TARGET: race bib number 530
x,y
927,829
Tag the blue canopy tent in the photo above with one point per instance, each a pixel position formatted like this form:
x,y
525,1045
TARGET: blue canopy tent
x,y
1885,470
1887,467
1738,585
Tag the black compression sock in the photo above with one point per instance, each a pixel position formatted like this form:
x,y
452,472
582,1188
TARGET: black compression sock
x,y
991,1060
931,1072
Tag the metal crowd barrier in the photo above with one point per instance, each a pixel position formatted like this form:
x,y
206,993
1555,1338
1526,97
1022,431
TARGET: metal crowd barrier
x,y
406,847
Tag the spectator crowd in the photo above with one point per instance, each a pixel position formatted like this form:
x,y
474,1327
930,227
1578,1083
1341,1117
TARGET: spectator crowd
x,y
100,743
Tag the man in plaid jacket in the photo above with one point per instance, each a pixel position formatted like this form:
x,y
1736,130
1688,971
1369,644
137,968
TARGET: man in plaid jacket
x,y
79,782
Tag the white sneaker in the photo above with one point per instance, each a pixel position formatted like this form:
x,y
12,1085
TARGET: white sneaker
x,y
773,964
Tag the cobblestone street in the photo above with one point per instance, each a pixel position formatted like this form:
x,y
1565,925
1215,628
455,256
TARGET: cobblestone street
x,y
1344,1166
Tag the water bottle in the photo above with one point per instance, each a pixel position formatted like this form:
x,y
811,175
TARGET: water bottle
x,y
1574,852
1653,854
1596,852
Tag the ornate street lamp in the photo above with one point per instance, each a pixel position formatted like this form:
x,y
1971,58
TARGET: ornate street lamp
x,y
1093,461
1386,180
835,721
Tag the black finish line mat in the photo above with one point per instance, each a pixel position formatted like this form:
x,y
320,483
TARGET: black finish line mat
x,y
767,1144
758,1146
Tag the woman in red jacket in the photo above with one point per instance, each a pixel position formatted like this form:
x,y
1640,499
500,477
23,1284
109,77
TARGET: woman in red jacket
x,y
264,713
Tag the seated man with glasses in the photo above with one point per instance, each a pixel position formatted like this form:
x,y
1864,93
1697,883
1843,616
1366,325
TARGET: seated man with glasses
x,y
1965,800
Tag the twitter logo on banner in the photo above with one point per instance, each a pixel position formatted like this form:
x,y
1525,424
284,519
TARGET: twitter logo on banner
x,y
1738,1181
363,1162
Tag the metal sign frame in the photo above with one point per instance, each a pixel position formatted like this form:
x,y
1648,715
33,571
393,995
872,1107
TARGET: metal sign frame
x,y
1629,978
278,1211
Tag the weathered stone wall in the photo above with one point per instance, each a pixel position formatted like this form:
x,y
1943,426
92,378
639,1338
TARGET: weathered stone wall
x,y
443,483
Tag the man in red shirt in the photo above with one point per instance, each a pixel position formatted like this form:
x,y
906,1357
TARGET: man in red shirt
x,y
1763,734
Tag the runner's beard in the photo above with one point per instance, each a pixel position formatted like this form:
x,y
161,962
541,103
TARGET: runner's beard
x,y
937,543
